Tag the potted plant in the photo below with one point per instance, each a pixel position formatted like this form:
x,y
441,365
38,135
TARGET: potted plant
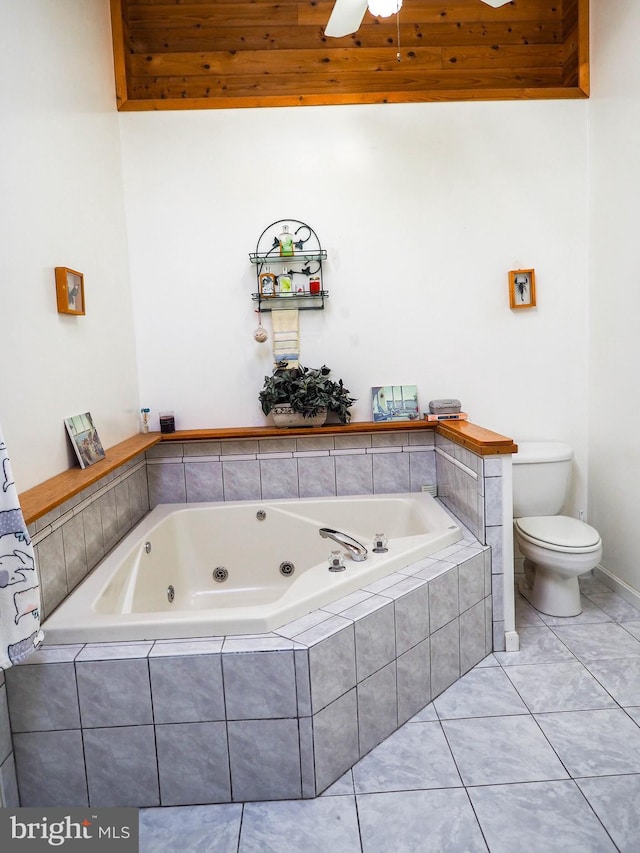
x,y
306,394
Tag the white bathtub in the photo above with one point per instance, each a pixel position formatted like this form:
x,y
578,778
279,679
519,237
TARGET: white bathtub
x,y
181,546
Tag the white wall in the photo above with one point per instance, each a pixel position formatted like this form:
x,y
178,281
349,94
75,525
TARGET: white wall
x,y
614,426
422,208
62,205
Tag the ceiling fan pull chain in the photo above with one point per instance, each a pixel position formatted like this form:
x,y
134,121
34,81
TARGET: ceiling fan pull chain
x,y
398,30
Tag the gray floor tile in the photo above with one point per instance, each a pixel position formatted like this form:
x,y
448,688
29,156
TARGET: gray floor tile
x,y
293,825
611,797
196,829
537,645
426,715
634,713
538,816
606,641
425,821
342,787
526,615
621,678
633,628
559,687
594,743
484,692
416,756
615,606
495,750
590,613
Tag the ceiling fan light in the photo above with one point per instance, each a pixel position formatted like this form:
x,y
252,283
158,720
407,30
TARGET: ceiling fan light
x,y
384,8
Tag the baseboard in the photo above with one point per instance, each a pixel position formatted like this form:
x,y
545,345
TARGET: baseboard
x,y
617,585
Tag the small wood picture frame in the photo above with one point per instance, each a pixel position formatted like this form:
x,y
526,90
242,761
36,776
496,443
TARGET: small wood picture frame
x,y
522,288
69,291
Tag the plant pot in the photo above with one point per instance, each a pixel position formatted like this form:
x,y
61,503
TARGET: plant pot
x,y
284,417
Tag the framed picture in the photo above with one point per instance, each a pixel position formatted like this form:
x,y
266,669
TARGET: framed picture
x,y
394,402
522,288
84,439
69,291
267,284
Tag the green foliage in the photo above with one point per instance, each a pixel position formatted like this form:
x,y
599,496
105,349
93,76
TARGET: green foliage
x,y
308,390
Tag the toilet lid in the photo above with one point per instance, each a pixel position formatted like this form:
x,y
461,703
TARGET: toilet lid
x,y
560,531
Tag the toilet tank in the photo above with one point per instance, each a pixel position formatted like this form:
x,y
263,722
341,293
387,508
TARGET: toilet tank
x,y
541,476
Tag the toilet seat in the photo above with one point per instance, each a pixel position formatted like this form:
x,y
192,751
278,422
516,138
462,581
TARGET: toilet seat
x,y
559,533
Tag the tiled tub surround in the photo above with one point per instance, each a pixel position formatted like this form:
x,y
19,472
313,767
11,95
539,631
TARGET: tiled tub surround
x,y
174,722
367,462
471,486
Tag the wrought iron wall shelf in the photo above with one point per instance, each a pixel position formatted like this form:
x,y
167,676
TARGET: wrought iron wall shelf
x,y
289,255
301,301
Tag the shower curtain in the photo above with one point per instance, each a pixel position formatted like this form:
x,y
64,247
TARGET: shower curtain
x,y
20,632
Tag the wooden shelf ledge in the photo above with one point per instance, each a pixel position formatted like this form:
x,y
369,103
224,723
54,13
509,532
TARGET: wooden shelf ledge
x,y
46,496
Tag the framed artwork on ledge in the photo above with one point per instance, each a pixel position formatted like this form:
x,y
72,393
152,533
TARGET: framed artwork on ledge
x,y
394,402
84,439
69,291
522,289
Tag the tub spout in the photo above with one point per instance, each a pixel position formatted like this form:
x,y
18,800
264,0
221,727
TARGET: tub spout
x,y
356,551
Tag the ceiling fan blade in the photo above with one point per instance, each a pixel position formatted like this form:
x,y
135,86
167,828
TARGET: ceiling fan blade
x,y
346,17
496,3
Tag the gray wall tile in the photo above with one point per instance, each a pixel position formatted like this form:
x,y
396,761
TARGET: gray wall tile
x,y
412,618
75,551
413,672
166,483
377,708
265,760
241,480
332,667
335,739
472,636
391,473
114,692
94,540
259,685
375,641
187,689
53,577
445,657
443,599
279,478
354,475
422,470
203,481
471,581
193,763
317,476
50,769
9,796
43,697
121,766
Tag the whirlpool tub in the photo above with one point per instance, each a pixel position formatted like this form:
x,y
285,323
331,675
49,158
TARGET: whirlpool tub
x,y
241,567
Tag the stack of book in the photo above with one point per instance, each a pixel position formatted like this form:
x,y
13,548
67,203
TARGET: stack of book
x,y
447,416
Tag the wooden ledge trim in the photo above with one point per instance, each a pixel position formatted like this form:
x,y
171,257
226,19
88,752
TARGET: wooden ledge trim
x,y
45,497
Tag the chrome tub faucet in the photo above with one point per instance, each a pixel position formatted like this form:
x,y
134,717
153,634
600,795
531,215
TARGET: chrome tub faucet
x,y
355,549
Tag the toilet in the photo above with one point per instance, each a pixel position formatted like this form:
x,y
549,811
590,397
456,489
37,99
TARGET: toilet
x,y
556,548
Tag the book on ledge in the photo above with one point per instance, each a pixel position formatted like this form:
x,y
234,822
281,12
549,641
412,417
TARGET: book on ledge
x,y
451,416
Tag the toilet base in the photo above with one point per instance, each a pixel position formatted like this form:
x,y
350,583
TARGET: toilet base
x,y
549,592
